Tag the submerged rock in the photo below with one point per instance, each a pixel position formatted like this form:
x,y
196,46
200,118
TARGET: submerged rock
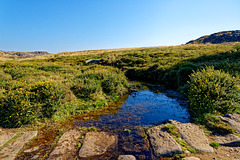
x,y
126,157
162,143
97,143
194,136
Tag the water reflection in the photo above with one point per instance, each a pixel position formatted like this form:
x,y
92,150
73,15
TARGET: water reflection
x,y
125,118
140,108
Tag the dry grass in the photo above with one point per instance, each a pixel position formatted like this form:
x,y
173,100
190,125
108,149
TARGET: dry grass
x,y
73,53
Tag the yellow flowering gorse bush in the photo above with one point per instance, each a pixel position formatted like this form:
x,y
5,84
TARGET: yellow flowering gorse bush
x,y
213,91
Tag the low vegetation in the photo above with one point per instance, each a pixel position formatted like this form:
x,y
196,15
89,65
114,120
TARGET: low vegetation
x,y
33,92
57,86
214,145
213,91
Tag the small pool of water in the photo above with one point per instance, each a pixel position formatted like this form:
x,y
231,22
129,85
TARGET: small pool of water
x,y
151,105
144,107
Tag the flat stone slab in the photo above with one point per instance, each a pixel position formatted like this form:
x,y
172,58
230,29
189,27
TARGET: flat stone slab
x,y
126,157
232,122
66,146
228,140
11,151
194,136
6,137
162,143
97,143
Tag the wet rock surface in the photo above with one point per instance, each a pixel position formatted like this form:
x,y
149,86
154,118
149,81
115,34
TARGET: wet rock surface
x,y
162,143
97,143
11,151
194,136
66,146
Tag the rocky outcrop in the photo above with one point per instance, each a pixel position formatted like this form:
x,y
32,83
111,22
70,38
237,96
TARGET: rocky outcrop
x,y
234,116
220,37
66,146
15,54
97,143
194,136
162,143
11,151
93,61
228,140
232,122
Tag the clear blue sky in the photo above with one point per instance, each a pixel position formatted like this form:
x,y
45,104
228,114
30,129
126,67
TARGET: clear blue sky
x,y
73,25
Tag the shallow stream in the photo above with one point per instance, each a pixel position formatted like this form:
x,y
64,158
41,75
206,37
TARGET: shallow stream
x,y
149,105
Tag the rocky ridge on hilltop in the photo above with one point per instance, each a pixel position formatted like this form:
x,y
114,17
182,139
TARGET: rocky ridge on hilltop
x,y
219,37
16,54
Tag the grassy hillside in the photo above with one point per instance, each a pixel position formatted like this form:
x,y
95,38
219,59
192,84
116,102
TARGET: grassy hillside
x,y
57,86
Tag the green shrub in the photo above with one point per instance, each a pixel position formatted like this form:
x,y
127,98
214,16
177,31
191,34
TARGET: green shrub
x,y
214,144
183,73
213,91
50,68
110,81
216,125
24,105
85,88
4,78
115,84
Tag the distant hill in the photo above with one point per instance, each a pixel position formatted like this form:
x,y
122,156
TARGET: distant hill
x,y
220,37
16,55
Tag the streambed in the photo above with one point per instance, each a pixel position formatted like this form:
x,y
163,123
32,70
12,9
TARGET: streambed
x,y
150,105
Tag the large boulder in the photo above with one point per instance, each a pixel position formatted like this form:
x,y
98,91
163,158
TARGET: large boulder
x,y
228,140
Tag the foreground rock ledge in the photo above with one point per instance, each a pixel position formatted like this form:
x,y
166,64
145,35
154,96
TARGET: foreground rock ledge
x,y
6,137
194,136
66,146
11,151
162,143
97,143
